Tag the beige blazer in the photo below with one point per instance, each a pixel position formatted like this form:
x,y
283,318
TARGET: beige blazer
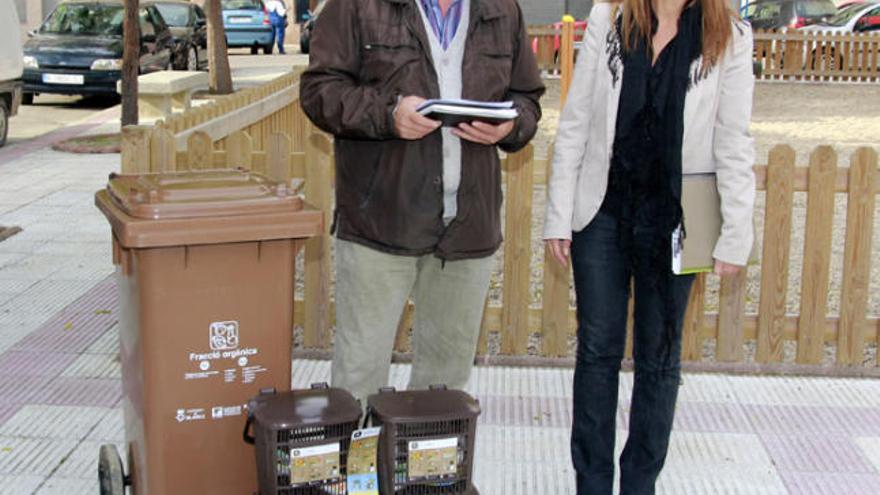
x,y
716,136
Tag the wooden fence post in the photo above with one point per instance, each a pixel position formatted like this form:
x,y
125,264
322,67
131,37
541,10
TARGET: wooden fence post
x,y
135,152
319,150
566,56
278,157
163,153
774,260
199,151
857,257
239,150
517,252
731,314
817,255
692,341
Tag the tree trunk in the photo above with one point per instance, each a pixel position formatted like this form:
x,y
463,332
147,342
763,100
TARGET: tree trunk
x,y
131,37
218,58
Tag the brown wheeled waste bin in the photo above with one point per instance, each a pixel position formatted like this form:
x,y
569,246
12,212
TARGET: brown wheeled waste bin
x,y
205,271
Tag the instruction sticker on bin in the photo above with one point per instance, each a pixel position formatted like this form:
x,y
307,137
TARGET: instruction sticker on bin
x,y
433,459
318,463
363,478
226,359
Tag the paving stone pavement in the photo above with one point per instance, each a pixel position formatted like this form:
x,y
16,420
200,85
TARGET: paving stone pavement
x,y
60,379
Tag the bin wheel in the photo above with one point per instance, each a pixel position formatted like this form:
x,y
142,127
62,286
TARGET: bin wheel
x,y
110,472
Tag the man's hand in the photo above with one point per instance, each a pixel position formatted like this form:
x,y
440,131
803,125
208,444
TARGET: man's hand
x,y
409,123
483,133
560,249
726,269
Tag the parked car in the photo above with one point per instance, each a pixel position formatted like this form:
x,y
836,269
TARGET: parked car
x,y
860,17
10,66
247,25
853,19
78,48
189,30
305,36
579,29
778,14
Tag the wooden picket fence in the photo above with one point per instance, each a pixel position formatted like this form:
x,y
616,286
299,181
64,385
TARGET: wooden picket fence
x,y
778,55
281,143
817,56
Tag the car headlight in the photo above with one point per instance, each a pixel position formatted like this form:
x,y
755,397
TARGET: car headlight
x,y
30,62
107,64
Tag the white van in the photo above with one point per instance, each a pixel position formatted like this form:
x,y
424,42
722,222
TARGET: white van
x,y
10,65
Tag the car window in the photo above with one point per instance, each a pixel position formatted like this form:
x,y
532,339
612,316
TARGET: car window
x,y
84,20
844,15
768,11
147,27
816,8
174,14
242,4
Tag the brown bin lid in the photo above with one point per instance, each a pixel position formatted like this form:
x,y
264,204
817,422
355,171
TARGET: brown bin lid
x,y
203,207
424,405
298,408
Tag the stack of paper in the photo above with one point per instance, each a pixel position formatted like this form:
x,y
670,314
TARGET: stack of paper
x,y
453,112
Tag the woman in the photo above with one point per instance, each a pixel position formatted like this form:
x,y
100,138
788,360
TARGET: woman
x,y
662,88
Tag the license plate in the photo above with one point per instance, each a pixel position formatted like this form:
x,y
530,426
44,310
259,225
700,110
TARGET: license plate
x,y
63,79
239,20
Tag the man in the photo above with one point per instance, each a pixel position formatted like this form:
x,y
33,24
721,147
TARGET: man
x,y
417,206
278,18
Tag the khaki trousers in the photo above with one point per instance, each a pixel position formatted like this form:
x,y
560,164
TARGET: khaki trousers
x,y
372,289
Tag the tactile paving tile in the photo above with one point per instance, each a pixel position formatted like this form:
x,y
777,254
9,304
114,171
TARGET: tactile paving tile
x,y
814,453
110,429
711,417
803,391
553,412
22,390
32,457
19,485
7,411
63,422
830,483
308,371
83,462
725,449
871,449
787,419
489,380
94,366
108,343
99,392
48,296
521,443
71,486
714,479
34,363
524,478
702,387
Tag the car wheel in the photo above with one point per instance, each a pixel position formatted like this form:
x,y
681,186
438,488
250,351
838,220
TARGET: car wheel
x,y
27,98
267,49
255,50
192,59
4,122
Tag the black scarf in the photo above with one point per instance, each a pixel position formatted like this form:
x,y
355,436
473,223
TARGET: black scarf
x,y
644,185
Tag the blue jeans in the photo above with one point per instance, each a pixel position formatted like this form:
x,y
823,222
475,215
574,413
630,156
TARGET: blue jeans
x,y
602,284
278,30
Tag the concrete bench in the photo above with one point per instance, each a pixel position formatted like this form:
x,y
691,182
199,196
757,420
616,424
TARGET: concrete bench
x,y
159,93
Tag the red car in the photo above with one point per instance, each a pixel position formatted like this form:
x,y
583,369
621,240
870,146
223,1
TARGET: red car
x,y
579,27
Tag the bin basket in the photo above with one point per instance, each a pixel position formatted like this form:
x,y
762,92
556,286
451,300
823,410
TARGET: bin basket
x,y
427,442
301,439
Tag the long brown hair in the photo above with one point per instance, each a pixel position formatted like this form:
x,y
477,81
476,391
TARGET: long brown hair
x,y
717,29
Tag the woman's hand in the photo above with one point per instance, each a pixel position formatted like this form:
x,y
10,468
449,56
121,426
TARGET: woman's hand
x,y
560,249
726,269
